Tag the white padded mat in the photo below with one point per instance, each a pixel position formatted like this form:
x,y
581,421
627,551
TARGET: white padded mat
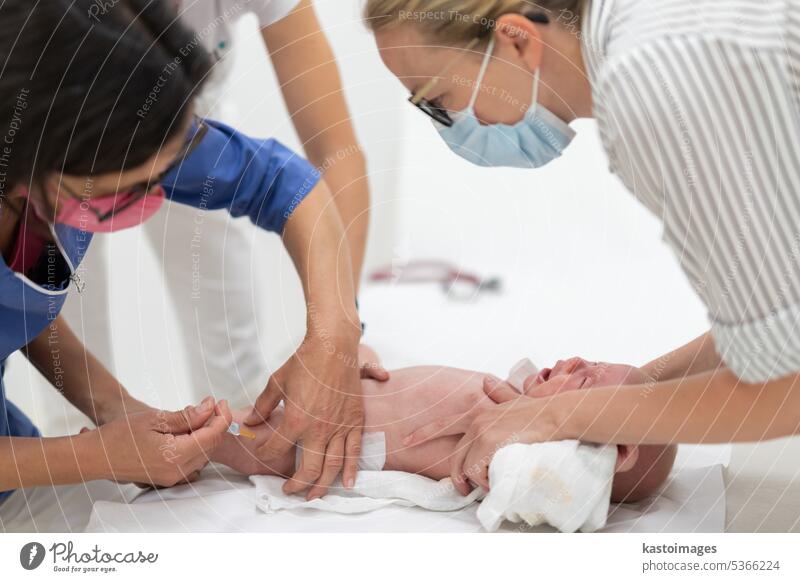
x,y
408,326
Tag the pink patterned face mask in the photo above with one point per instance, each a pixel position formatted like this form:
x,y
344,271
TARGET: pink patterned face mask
x,y
104,214
114,212
110,213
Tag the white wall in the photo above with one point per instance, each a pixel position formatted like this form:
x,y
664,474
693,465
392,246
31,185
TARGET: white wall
x,y
568,239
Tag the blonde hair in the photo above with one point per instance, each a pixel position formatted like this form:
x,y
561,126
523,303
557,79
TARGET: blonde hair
x,y
459,21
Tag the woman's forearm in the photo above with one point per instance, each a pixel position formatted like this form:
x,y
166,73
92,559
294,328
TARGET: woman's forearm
x,y
698,356
69,367
315,240
350,190
312,88
30,462
712,407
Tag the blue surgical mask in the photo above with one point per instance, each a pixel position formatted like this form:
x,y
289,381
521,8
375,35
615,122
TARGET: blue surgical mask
x,y
534,141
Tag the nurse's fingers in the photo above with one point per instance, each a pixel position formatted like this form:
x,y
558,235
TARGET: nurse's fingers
x,y
310,467
476,467
332,466
455,424
223,410
197,446
266,402
457,475
499,391
351,457
184,421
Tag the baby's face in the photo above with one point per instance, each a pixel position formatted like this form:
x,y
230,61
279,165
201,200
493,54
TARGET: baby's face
x,y
578,374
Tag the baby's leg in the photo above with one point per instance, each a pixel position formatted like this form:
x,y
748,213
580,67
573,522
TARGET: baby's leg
x,y
240,453
431,459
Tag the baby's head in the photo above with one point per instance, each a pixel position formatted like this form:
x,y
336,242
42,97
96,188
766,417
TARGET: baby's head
x,y
579,374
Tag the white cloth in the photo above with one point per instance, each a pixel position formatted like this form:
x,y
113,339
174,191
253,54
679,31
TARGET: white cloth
x,y
372,490
224,502
565,484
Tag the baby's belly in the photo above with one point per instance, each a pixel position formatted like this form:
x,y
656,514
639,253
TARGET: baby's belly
x,y
416,397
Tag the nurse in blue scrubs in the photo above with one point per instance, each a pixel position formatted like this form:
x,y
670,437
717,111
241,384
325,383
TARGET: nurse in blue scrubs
x,y
97,133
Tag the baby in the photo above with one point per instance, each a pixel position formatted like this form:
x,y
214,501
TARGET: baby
x,y
415,397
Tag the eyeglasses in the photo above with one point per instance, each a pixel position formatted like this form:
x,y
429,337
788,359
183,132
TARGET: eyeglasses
x,y
138,191
432,110
437,112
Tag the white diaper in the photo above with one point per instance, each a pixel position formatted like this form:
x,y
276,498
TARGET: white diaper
x,y
373,452
520,372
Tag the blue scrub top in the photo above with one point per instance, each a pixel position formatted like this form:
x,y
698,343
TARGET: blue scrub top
x,y
261,179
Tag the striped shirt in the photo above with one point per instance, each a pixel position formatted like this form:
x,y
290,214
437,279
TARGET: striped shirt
x,y
698,107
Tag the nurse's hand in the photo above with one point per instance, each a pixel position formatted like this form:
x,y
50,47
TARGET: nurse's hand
x,y
156,448
324,410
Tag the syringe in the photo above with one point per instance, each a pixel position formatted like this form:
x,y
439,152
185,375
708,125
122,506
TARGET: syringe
x,y
237,430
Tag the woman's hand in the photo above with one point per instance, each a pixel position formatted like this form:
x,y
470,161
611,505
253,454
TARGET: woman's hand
x,y
242,454
157,448
527,418
521,420
321,388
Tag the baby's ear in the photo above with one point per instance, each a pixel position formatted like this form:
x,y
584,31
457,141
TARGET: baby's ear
x,y
627,455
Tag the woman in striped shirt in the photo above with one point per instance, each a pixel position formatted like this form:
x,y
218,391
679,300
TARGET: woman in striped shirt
x,y
698,106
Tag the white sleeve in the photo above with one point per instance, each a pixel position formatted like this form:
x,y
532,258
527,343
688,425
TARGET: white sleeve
x,y
269,11
705,134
